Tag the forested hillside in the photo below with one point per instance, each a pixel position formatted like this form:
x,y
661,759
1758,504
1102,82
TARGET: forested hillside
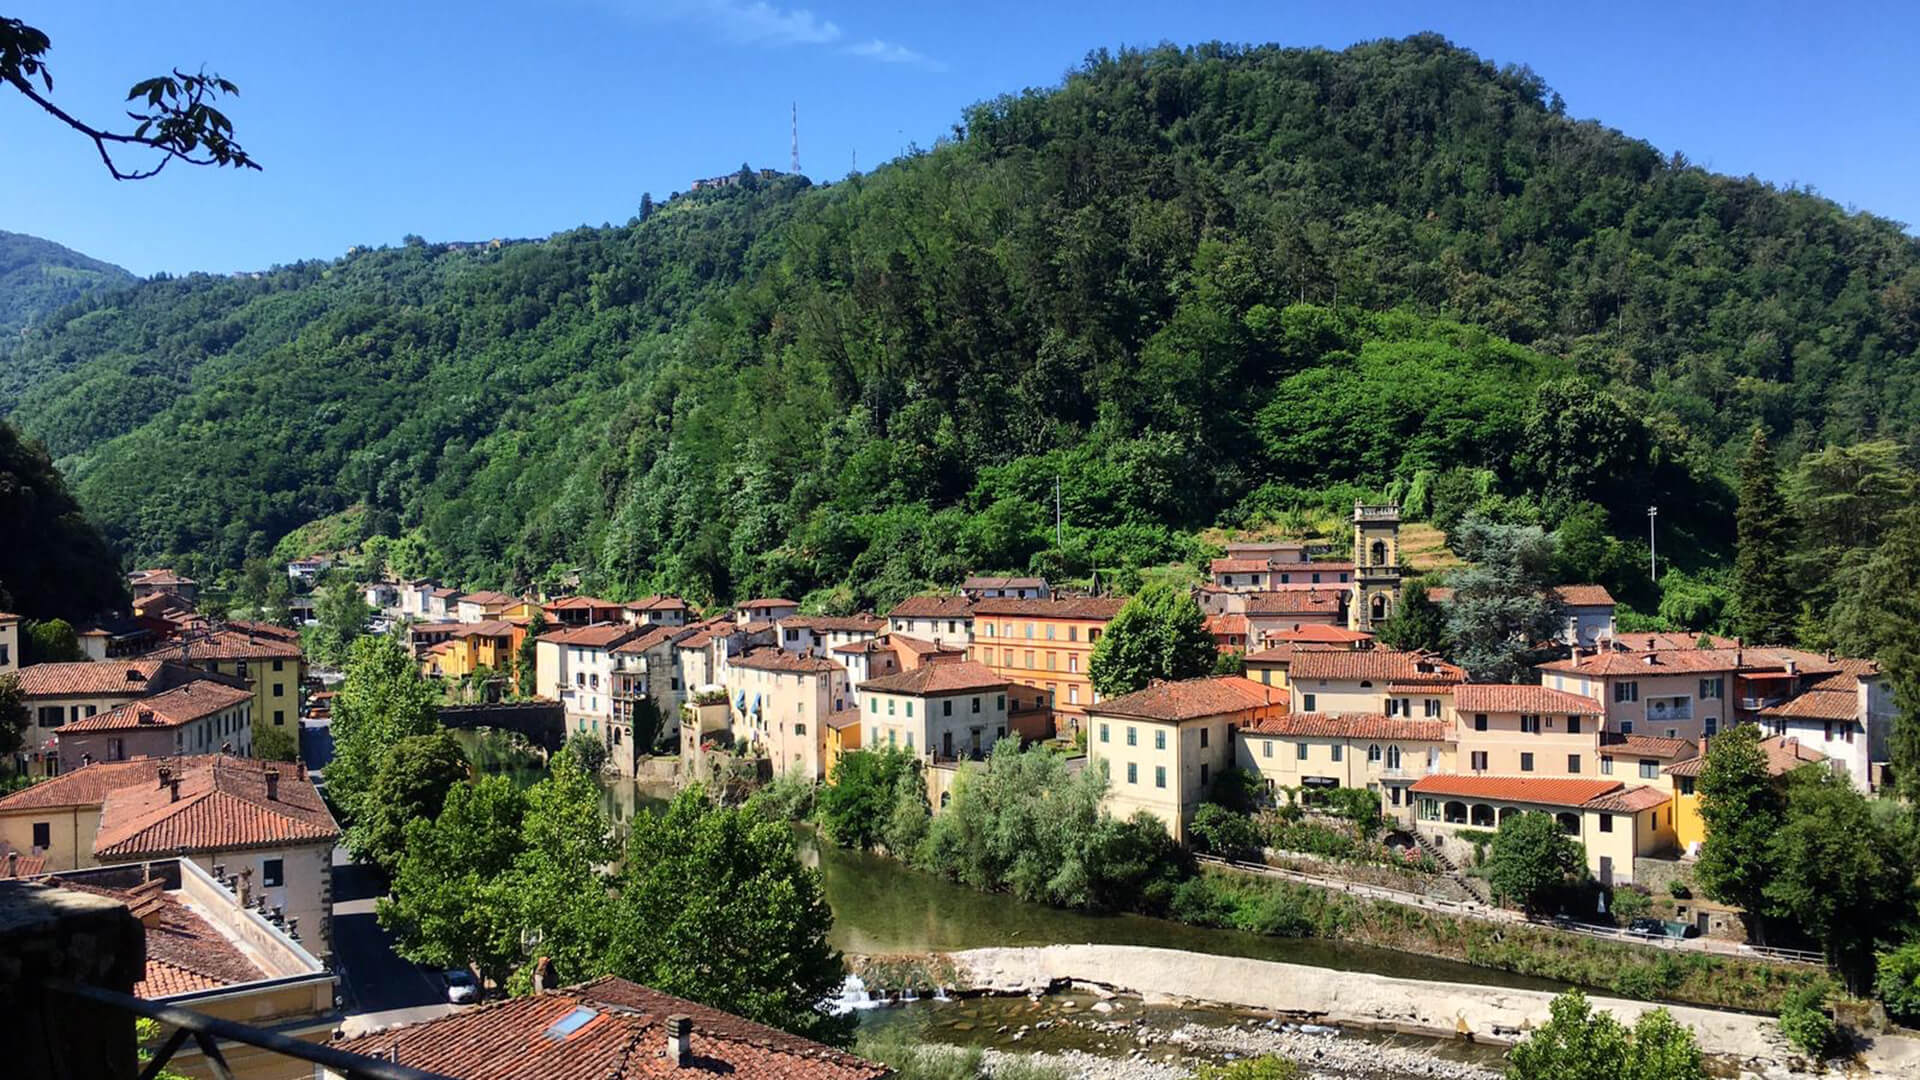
x,y
38,277
1200,287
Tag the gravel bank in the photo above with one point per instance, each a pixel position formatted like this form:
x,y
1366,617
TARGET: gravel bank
x,y
1326,1056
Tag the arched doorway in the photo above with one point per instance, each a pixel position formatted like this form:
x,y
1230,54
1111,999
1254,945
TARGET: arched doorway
x,y
1569,823
1481,816
1455,813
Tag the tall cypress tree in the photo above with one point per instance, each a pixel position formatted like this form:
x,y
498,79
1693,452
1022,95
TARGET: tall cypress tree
x,y
1763,587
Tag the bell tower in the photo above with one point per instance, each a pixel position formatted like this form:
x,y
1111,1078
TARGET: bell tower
x,y
1376,566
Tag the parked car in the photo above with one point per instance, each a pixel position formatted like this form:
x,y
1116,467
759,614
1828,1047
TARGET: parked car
x,y
1649,928
462,989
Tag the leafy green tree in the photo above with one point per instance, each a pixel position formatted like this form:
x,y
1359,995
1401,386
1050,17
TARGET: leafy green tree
x,y
712,903
1578,1043
1841,873
1763,576
341,615
1503,604
1417,623
55,563
587,751
526,660
1896,982
1159,634
648,725
1532,858
1741,809
14,715
857,803
180,122
566,841
454,897
1879,615
1804,1020
274,742
382,700
50,642
1222,832
412,782
1582,443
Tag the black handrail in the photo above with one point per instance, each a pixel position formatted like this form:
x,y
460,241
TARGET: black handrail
x,y
208,1030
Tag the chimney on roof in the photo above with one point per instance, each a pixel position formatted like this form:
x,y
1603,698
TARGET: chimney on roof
x,y
173,789
679,1039
273,785
542,974
86,760
165,774
13,864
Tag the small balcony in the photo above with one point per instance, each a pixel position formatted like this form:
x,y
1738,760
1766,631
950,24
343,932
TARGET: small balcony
x,y
1669,709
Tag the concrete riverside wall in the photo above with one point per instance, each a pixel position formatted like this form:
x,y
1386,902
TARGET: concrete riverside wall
x,y
1487,1014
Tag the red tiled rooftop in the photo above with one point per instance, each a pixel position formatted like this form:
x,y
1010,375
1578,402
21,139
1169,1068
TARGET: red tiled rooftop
x,y
764,603
943,606
1546,791
181,705
623,1037
1190,699
768,658
103,678
959,676
228,644
594,635
1374,665
1629,800
89,785
1613,742
1318,633
1584,595
1520,698
222,806
1238,566
1353,726
1784,753
1080,608
862,623
1295,602
1657,662
579,603
657,602
184,952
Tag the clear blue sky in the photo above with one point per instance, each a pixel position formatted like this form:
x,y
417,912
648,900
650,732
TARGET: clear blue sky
x,y
483,118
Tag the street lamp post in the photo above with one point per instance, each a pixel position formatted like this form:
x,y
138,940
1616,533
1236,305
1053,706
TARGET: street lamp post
x,y
1653,557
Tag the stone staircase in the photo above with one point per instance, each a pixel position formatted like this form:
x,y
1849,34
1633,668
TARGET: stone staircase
x,y
1473,885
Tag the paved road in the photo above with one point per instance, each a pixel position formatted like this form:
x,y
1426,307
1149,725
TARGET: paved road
x,y
373,979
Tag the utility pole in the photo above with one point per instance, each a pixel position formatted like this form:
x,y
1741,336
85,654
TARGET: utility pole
x,y
1653,557
796,139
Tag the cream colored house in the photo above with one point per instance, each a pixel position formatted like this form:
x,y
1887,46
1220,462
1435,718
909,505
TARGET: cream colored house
x,y
1516,730
575,666
259,822
9,643
1163,746
943,711
1615,823
1362,681
197,717
266,657
1297,752
783,702
1668,693
943,620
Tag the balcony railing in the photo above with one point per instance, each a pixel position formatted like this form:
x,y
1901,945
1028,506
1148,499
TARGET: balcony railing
x,y
1663,709
208,1032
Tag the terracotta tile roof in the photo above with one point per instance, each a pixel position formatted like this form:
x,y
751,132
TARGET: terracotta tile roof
x,y
184,952
223,806
8,617
1512,698
1584,595
1613,742
1082,608
1190,699
1817,704
623,1037
1650,642
943,606
950,678
1317,633
757,626
99,678
1353,726
866,646
1655,662
653,638
1238,566
579,603
261,629
1227,625
919,647
594,635
89,785
1374,665
485,628
766,602
1284,652
768,658
657,602
487,597
1784,754
863,623
1545,791
1629,800
172,708
1295,602
443,592
227,644
158,576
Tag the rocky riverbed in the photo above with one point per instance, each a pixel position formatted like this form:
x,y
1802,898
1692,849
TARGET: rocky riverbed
x,y
1134,1051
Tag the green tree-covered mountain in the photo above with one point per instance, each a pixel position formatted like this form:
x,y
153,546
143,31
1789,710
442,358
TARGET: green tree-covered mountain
x,y
1197,286
38,277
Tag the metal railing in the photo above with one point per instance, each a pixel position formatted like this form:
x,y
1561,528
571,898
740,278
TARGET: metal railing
x,y
207,1032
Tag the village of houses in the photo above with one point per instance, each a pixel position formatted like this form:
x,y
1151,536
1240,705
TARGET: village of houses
x,y
149,743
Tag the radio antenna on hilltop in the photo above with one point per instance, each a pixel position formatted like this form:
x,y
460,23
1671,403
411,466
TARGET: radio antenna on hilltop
x,y
796,138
